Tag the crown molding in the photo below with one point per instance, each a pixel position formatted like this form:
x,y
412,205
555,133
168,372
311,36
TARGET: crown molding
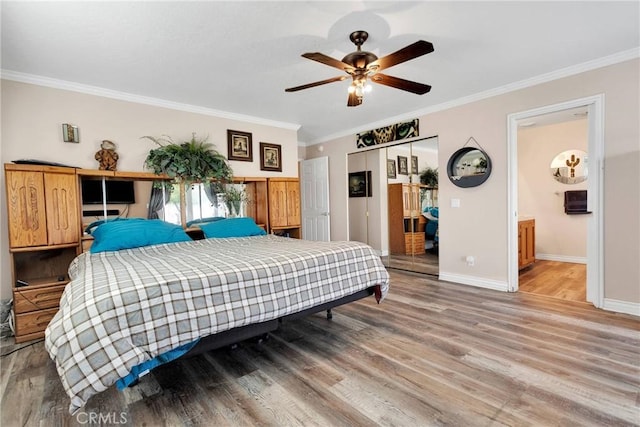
x,y
616,58
139,99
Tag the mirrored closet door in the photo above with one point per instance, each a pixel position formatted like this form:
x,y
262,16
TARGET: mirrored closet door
x,y
393,203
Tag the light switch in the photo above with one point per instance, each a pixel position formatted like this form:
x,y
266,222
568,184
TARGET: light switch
x,y
455,203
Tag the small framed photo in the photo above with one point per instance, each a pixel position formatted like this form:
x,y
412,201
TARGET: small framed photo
x,y
360,184
270,157
391,168
240,146
403,167
70,133
414,165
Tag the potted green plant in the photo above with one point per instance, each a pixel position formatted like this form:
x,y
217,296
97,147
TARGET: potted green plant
x,y
429,177
187,162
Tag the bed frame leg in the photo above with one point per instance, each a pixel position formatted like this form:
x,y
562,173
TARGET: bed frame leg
x,y
329,314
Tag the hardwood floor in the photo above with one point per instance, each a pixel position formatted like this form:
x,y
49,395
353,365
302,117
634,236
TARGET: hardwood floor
x,y
432,353
426,263
562,280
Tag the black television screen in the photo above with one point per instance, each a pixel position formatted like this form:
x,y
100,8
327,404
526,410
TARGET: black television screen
x,y
118,192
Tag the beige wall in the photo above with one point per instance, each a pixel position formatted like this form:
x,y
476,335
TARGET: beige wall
x,y
31,128
558,236
479,226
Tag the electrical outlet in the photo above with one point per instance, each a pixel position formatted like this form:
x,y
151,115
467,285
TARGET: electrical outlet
x,y
471,261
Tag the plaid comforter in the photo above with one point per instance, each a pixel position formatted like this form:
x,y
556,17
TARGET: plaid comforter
x,y
123,308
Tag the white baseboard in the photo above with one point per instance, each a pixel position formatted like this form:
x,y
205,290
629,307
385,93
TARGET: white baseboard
x,y
617,306
562,258
479,282
621,306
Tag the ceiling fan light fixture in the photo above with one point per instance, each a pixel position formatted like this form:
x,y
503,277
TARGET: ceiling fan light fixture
x,y
363,66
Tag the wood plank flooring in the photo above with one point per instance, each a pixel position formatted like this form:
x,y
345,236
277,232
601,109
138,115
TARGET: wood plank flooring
x,y
431,354
426,263
555,279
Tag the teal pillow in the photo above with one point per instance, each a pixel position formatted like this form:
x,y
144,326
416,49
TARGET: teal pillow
x,y
134,233
232,227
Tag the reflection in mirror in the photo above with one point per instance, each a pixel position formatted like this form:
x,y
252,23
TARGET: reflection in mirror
x,y
207,200
391,220
472,162
410,248
570,167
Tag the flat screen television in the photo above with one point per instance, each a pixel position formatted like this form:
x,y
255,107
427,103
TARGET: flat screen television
x,y
118,192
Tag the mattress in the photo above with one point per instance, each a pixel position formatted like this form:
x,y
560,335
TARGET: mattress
x,y
126,307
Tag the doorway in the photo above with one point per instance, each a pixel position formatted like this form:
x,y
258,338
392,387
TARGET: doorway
x,y
553,163
593,106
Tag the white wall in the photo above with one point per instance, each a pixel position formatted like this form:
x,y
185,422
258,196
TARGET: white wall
x,y
32,118
479,226
558,236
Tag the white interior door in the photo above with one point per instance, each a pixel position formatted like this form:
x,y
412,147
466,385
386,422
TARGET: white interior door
x,y
314,188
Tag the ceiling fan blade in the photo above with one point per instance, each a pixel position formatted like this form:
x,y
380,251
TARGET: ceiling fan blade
x,y
327,60
414,50
314,84
402,84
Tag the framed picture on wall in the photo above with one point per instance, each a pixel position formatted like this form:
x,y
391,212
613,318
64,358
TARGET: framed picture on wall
x,y
360,184
270,157
70,133
391,168
239,145
414,165
403,167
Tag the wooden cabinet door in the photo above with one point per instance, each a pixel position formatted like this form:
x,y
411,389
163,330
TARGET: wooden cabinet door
x,y
26,209
414,203
61,196
406,200
277,204
526,243
293,203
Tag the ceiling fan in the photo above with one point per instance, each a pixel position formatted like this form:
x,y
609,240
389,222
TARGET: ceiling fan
x,y
362,66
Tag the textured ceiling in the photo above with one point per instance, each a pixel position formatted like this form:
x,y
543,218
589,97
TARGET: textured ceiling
x,y
238,57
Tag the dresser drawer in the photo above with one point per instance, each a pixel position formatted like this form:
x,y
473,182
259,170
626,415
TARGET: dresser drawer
x,y
26,300
414,243
34,322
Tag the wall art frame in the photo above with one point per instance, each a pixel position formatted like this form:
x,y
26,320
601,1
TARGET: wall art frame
x,y
270,157
360,184
239,146
403,166
70,133
391,168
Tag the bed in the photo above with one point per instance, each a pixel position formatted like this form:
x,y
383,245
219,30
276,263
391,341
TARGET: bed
x,y
124,308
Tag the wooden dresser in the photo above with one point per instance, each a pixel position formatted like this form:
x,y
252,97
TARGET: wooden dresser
x,y
44,237
406,223
284,206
